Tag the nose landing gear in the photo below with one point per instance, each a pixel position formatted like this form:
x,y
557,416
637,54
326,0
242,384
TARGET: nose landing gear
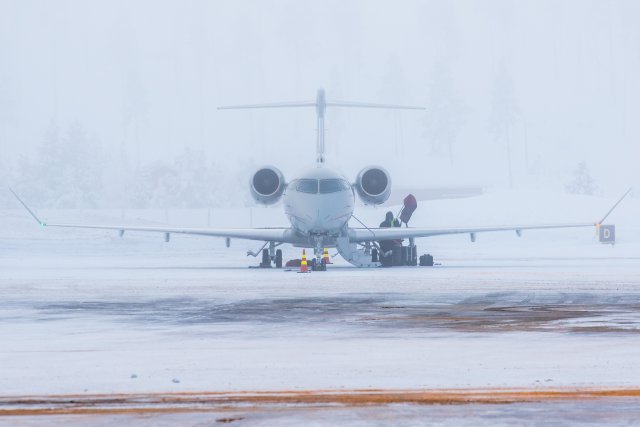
x,y
318,264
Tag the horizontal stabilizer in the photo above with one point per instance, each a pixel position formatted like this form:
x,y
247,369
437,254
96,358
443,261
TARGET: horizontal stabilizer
x,y
321,105
350,104
270,105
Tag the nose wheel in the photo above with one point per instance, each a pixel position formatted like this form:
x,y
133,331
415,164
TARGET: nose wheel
x,y
318,264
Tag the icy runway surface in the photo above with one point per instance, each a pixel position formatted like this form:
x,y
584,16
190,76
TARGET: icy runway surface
x,y
85,312
177,329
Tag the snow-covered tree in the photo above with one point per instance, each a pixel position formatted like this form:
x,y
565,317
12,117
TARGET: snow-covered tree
x,y
39,178
83,166
504,112
5,181
67,171
5,163
190,181
446,112
134,110
153,186
135,106
394,89
582,182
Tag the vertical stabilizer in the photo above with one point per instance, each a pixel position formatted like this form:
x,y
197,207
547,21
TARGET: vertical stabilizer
x,y
321,108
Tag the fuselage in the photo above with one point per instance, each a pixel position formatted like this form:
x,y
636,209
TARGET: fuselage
x,y
319,203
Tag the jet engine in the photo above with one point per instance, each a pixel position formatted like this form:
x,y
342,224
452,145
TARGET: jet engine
x,y
267,185
373,185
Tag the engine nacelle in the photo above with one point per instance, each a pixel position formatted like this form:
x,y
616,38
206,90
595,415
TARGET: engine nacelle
x,y
267,185
373,185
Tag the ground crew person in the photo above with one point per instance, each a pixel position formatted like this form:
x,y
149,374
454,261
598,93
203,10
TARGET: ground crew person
x,y
390,221
386,246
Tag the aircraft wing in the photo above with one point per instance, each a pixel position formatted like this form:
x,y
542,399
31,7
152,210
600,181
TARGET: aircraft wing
x,y
283,235
358,235
280,235
376,234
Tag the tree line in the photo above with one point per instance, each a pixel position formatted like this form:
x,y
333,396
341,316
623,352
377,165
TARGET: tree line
x,y
71,169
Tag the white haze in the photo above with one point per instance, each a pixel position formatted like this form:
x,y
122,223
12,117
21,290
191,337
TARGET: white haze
x,y
102,102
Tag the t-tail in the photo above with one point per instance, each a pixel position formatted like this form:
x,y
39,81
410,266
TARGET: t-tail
x,y
321,105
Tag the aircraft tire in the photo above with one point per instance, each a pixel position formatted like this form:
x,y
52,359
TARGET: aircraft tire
x,y
266,259
278,259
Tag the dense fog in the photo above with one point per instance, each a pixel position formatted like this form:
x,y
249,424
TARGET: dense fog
x,y
113,103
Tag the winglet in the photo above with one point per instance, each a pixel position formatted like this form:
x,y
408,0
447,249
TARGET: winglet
x,y
42,223
599,223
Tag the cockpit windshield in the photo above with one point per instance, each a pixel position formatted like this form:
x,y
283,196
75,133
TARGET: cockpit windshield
x,y
309,186
333,185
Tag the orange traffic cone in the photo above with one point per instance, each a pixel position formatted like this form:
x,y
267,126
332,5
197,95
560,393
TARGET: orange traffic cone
x,y
325,256
304,268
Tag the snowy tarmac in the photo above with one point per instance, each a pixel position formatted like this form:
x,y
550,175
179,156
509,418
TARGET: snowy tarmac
x,y
89,315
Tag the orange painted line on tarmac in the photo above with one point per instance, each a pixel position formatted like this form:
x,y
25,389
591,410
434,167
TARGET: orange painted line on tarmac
x,y
249,400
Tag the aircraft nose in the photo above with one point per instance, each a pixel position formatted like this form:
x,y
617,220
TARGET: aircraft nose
x,y
320,219
325,217
317,218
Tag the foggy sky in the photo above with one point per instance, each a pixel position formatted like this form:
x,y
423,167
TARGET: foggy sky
x,y
144,78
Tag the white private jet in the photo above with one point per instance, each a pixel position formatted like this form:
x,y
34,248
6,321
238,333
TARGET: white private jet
x,y
319,205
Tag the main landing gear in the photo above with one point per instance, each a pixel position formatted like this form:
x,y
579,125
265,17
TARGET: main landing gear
x,y
271,257
267,260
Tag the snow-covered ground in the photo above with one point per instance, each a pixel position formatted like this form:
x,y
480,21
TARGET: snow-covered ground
x,y
86,312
